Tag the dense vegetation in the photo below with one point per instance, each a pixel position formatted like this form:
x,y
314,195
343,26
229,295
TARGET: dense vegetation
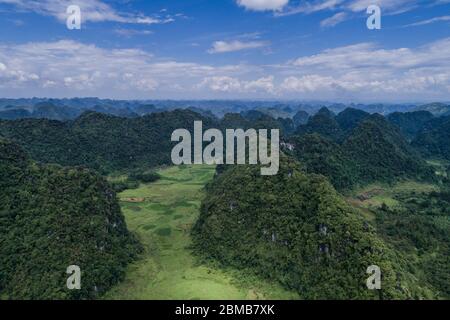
x,y
100,141
323,123
256,120
373,151
433,140
350,118
296,229
381,153
419,230
300,118
410,123
293,228
323,156
53,217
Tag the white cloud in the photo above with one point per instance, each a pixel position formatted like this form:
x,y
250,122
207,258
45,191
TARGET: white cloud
x,y
429,21
334,20
348,6
91,10
363,71
368,55
224,84
264,84
366,71
263,5
308,7
391,6
236,45
131,32
72,68
308,83
234,85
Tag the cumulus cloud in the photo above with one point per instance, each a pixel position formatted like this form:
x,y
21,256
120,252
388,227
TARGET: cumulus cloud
x,y
362,70
224,84
366,70
234,85
265,84
68,67
91,10
263,5
308,83
236,45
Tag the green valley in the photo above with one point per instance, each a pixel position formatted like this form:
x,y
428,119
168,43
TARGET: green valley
x,y
162,215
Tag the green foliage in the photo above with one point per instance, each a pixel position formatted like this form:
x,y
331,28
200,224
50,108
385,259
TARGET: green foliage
x,y
433,140
295,229
109,143
102,142
256,120
410,123
350,118
52,217
375,151
380,153
322,156
144,176
168,269
120,186
323,123
300,118
419,230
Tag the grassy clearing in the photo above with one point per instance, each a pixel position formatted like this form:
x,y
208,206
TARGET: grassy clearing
x,y
167,269
375,195
440,166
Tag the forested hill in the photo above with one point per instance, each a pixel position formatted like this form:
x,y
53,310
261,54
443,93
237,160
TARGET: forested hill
x,y
410,123
296,229
321,155
53,217
382,153
434,139
323,123
373,151
100,141
350,118
107,143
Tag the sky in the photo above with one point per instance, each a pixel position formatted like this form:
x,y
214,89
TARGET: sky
x,y
227,49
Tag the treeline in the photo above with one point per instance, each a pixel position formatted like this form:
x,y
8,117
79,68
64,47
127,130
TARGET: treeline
x,y
102,142
109,143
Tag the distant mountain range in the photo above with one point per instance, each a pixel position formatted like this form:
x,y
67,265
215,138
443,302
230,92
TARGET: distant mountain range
x,y
66,109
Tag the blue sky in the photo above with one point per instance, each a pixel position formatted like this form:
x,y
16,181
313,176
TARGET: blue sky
x,y
227,49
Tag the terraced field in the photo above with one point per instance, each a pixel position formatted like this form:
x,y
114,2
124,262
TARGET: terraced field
x,y
162,219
